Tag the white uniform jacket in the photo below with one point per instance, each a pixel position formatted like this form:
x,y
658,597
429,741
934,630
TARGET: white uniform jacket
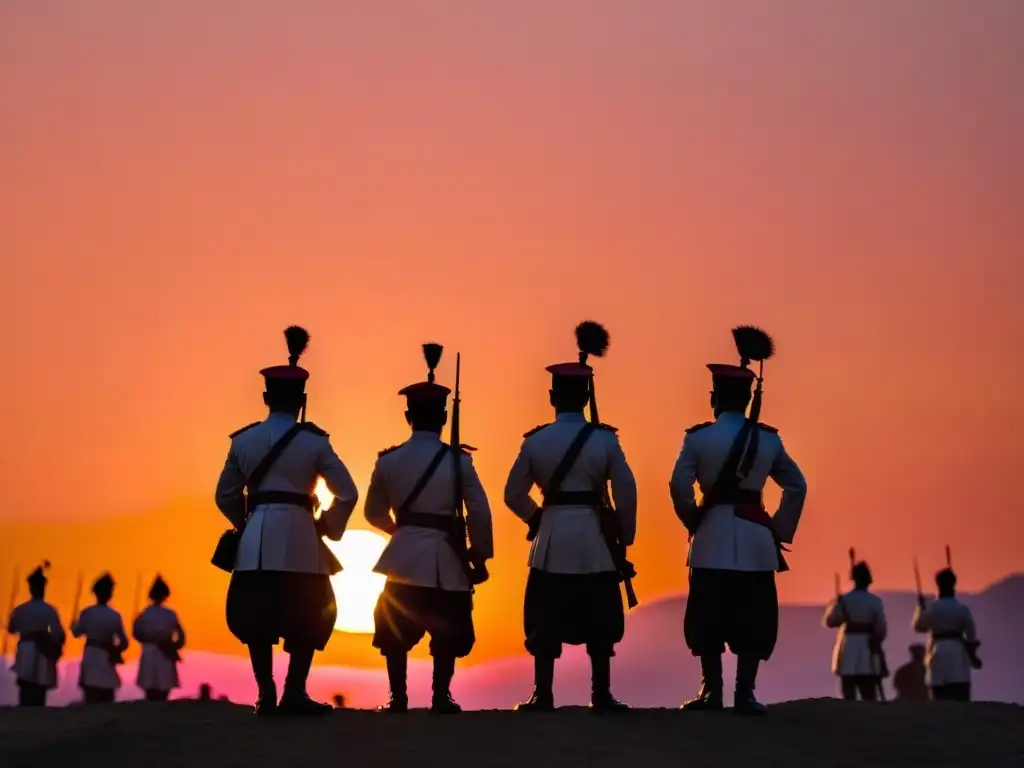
x,y
31,665
284,537
418,555
569,539
860,617
723,540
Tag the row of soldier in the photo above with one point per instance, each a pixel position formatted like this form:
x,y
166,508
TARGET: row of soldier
x,y
42,640
858,658
281,567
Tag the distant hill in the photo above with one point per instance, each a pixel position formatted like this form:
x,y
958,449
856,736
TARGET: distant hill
x,y
652,669
793,735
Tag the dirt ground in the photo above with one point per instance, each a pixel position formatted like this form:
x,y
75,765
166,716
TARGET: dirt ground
x,y
813,733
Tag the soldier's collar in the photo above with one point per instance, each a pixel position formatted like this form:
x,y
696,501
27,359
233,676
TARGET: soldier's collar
x,y
425,434
570,417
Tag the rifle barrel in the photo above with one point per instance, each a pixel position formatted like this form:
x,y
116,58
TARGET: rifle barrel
x,y
7,618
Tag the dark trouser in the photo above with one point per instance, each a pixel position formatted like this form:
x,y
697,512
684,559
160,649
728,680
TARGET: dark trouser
x,y
952,692
98,695
864,685
265,607
152,695
573,609
738,609
405,613
31,694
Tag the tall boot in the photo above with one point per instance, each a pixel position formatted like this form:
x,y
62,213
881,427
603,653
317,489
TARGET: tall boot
x,y
709,697
442,702
398,699
543,698
746,677
262,659
601,699
295,700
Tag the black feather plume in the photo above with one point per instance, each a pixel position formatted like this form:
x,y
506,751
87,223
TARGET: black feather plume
x,y
752,344
297,340
592,339
432,354
853,556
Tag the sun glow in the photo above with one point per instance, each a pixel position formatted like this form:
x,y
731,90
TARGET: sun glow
x,y
357,587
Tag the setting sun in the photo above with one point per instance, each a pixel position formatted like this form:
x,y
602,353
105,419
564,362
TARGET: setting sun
x,y
357,587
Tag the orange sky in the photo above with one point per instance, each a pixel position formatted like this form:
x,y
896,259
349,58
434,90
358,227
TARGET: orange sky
x,y
177,186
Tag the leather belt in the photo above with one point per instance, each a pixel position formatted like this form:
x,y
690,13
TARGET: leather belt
x,y
573,499
434,522
281,497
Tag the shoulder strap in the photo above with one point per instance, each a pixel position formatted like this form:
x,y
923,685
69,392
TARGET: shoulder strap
x,y
422,482
565,465
255,480
727,476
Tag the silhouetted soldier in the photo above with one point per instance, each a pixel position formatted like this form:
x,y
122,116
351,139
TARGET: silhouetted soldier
x,y
909,679
735,548
158,630
281,583
204,692
40,642
572,592
105,644
860,617
428,590
952,642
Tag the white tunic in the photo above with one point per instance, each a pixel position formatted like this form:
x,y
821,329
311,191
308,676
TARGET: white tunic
x,y
947,659
723,540
99,624
423,556
30,665
569,539
283,537
156,624
852,654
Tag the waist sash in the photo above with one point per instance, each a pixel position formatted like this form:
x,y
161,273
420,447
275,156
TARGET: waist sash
x,y
282,497
441,523
852,628
572,499
754,512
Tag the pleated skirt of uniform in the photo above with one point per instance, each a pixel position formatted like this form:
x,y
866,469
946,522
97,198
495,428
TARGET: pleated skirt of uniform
x,y
265,607
406,612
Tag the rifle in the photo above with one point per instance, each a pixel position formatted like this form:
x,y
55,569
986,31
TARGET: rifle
x,y
917,584
610,525
476,571
10,610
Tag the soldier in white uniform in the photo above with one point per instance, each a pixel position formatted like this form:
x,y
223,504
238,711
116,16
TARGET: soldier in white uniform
x,y
158,630
105,644
735,546
428,588
859,615
280,587
952,643
40,642
572,592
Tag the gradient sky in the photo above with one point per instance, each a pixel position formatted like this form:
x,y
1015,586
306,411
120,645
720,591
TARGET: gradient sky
x,y
179,181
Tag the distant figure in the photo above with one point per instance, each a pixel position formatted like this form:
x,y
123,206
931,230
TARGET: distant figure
x,y
204,692
952,641
105,643
860,617
281,584
427,589
339,701
40,642
572,592
162,637
909,679
735,545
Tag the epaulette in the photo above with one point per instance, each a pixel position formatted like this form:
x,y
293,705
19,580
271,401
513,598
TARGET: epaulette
x,y
698,427
386,451
309,426
769,428
535,430
237,432
607,427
